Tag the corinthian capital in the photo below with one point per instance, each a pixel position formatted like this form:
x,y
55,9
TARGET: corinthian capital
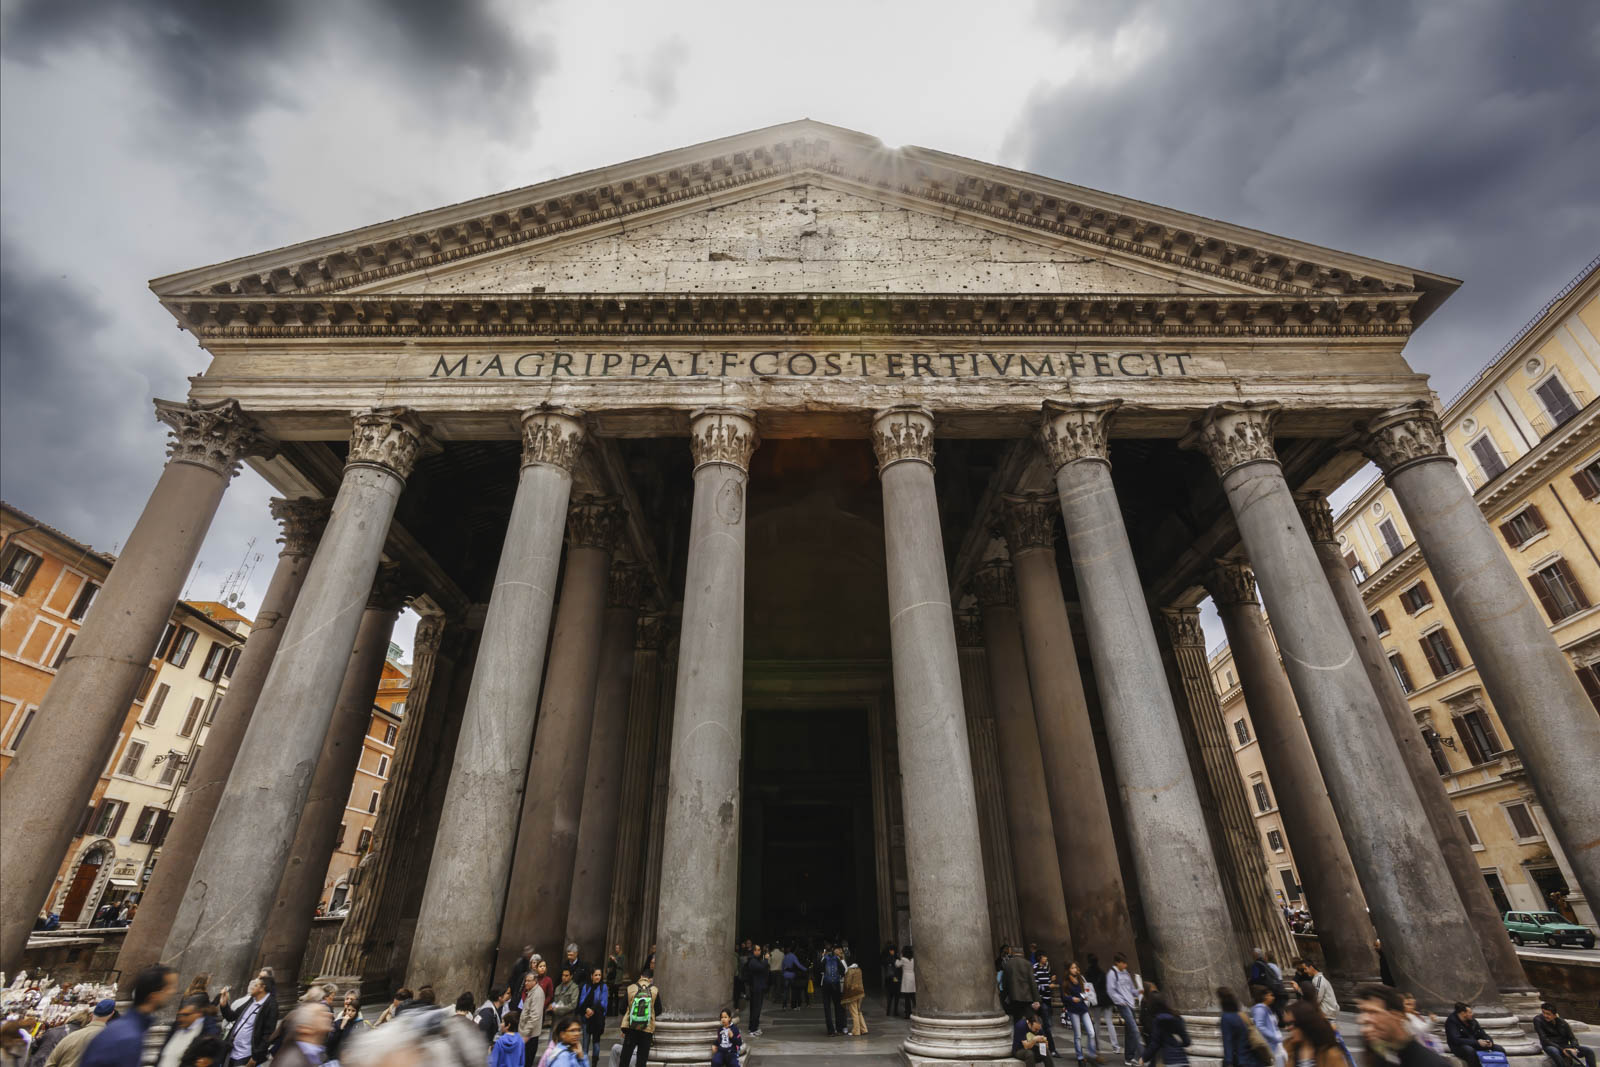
x,y
1317,515
390,439
1073,431
625,586
723,435
995,584
1231,582
650,633
1029,520
391,588
552,436
1183,627
1397,439
303,520
214,436
594,522
903,432
1233,434
428,637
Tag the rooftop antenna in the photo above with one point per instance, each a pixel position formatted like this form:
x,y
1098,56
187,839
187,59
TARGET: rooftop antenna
x,y
236,581
198,567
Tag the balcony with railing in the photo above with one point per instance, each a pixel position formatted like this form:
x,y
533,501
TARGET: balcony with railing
x,y
1558,409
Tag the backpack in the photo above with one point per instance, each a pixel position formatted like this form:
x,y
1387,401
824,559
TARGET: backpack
x,y
642,1007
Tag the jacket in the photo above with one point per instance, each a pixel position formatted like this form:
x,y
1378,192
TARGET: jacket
x,y
568,1057
1322,993
855,989
509,1050
1017,974
1267,1024
1169,1039
566,998
597,997
757,973
1121,988
532,1013
266,1020
209,1027
627,1006
1556,1033
69,1053
792,967
291,1055
1235,1042
1072,997
488,1021
832,970
121,1043
1464,1035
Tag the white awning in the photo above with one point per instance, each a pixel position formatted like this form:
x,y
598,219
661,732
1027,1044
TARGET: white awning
x,y
124,883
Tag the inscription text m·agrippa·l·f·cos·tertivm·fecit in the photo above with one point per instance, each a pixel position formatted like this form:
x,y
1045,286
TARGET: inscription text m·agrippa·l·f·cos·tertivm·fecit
x,y
779,363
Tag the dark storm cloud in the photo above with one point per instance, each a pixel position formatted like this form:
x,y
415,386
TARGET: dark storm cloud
x,y
1456,137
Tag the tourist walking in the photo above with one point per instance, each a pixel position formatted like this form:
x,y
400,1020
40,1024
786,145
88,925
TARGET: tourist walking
x,y
1017,985
254,1018
530,1017
592,1005
1386,1027
69,1052
1321,994
756,973
191,1024
1104,1012
1236,1050
833,969
775,974
1044,980
1558,1041
1169,1038
639,1011
907,966
891,981
1308,1037
490,1012
794,977
1075,993
855,991
1123,990
566,1037
725,1050
509,1050
350,1023
306,1036
1264,1015
1466,1036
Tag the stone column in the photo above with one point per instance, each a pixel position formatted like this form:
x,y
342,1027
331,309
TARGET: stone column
x,y
230,894
302,522
1257,921
1326,870
1191,932
957,1018
1425,932
637,788
602,780
458,924
346,959
1548,717
547,835
1085,844
1041,900
1504,964
49,783
700,855
283,945
1005,922
655,841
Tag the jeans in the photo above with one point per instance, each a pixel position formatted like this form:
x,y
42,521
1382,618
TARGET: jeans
x,y
1561,1059
833,1008
1131,1046
757,995
1082,1034
1108,1025
591,1038
632,1039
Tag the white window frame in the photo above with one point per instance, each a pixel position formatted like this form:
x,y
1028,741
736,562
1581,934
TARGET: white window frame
x,y
383,767
37,554
49,644
20,715
138,758
1572,395
372,804
1538,831
1474,839
1279,848
1495,448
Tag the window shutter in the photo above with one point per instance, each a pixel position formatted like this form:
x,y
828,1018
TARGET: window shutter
x,y
1572,583
1381,621
1546,601
116,824
163,823
87,821
1588,488
1468,742
1509,532
1589,678
1536,517
1350,561
1424,598
1489,736
1433,660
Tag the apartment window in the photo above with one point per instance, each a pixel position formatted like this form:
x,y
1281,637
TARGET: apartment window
x,y
1241,730
1523,527
1291,887
389,734
1416,597
1263,801
1357,571
233,661
165,642
1441,762
1468,829
1556,400
61,653
363,841
372,805
216,657
398,710
1440,652
192,720
1488,457
145,684
18,570
338,842
80,607
1477,736
108,818
211,709
145,828
1558,591
383,766
1587,479
1588,677
27,720
1391,537
131,758
1275,840
171,763
152,710
1380,621
188,767
1400,672
182,646
1231,682
1522,824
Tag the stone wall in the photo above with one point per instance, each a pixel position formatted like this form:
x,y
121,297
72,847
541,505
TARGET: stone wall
x,y
75,955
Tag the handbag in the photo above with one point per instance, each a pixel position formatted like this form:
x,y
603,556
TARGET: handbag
x,y
1259,1048
1090,997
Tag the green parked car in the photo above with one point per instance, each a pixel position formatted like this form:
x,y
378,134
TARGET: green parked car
x,y
1548,926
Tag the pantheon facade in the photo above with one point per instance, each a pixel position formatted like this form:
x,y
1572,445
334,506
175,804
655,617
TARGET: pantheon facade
x,y
808,537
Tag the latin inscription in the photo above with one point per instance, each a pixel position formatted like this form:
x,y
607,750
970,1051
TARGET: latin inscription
x,y
801,364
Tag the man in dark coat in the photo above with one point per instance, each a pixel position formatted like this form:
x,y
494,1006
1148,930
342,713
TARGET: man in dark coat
x,y
250,1037
1016,977
1466,1035
1558,1040
757,973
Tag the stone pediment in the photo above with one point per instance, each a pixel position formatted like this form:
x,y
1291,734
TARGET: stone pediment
x,y
805,237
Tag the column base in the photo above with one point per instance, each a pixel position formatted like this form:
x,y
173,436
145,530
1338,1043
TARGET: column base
x,y
686,1041
1507,1031
1523,1003
1205,1039
951,1040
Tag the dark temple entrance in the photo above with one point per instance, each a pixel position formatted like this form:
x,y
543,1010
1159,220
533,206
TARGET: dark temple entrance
x,y
806,865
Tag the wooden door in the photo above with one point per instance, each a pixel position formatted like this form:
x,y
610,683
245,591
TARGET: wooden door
x,y
82,882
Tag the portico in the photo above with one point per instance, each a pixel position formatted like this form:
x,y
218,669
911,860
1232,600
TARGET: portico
x,y
820,400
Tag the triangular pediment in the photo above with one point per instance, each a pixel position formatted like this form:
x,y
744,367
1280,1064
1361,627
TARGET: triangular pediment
x,y
809,236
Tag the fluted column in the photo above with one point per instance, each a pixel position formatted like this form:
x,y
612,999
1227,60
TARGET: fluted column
x,y
1505,966
1414,906
700,856
547,835
655,839
598,822
283,945
50,781
1005,922
458,924
225,909
370,879
1087,848
1191,932
1550,720
1257,920
956,1017
636,786
1041,901
302,521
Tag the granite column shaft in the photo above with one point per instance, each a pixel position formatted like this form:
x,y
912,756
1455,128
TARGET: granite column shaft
x,y
637,787
1005,921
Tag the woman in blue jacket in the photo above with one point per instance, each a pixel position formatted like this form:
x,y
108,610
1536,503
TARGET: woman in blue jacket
x,y
592,1010
1169,1038
1235,1035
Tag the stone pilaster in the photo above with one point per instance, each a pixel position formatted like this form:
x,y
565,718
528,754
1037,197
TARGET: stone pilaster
x,y
458,924
1091,874
225,910
1414,907
956,1017
1550,720
49,783
1190,930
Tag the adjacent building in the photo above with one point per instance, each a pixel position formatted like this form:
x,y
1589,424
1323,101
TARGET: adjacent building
x,y
372,775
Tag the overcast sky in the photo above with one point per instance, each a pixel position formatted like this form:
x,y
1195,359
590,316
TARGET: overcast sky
x,y
141,139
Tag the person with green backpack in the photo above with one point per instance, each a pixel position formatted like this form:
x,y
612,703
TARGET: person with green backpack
x,y
639,1009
